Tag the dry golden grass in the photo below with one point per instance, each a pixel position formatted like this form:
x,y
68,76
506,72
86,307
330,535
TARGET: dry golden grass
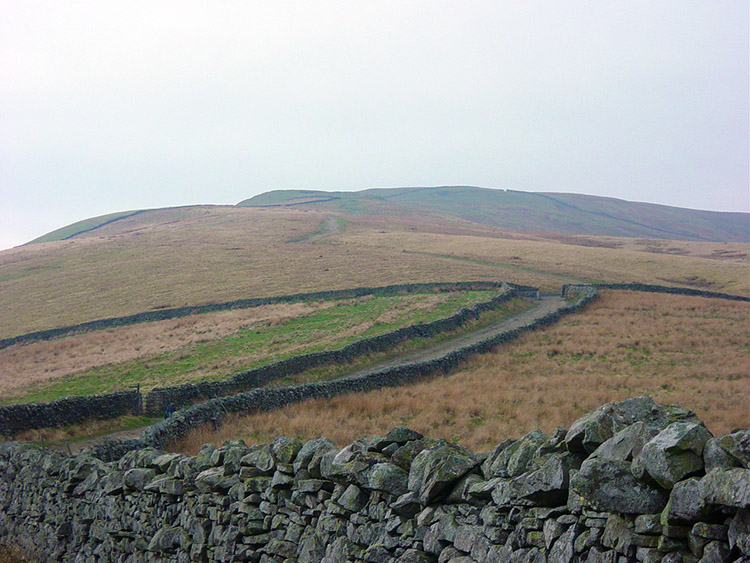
x,y
713,266
177,257
681,350
37,362
188,256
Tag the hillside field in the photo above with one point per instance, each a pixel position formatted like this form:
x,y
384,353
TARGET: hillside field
x,y
188,256
690,351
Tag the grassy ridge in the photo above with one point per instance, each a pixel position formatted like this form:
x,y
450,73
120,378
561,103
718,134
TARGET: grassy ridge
x,y
261,343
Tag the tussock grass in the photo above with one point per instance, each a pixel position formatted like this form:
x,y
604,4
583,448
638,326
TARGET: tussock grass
x,y
37,362
72,435
172,258
682,350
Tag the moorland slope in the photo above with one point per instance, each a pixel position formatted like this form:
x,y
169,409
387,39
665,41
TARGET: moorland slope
x,y
189,256
530,211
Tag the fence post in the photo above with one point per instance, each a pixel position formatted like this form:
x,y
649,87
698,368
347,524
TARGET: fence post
x,y
138,403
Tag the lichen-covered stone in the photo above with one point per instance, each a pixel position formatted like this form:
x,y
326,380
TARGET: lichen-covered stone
x,y
150,506
727,487
674,453
515,459
435,469
686,503
610,486
737,444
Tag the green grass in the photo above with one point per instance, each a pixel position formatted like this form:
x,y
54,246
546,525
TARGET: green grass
x,y
255,346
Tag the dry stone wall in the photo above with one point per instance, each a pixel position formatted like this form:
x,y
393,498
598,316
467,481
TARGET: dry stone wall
x,y
178,312
630,482
162,433
73,410
159,398
70,410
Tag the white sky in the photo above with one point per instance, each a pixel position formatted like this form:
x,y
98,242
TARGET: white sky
x,y
108,106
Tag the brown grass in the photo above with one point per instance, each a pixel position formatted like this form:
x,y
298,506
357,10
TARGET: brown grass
x,y
175,257
679,350
27,368
714,266
210,255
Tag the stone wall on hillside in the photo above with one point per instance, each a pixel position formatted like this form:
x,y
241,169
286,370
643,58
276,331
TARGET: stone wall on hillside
x,y
178,312
629,482
651,288
70,410
165,432
73,410
158,399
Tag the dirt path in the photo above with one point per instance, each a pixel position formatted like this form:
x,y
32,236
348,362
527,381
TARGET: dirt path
x,y
541,308
328,226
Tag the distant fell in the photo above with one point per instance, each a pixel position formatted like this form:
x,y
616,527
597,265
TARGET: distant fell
x,y
528,211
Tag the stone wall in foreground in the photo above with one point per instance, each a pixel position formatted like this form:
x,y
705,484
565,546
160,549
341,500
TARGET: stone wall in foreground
x,y
631,481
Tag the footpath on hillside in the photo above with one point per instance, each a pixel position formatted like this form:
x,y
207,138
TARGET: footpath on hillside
x,y
540,308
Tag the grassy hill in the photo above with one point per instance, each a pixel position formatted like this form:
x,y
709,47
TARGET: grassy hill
x,y
530,211
192,255
288,243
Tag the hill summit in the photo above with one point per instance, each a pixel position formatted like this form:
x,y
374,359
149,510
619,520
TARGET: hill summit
x,y
528,211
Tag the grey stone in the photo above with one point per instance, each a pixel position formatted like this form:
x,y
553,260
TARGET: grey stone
x,y
261,459
548,485
610,486
686,503
715,552
563,549
165,539
618,535
414,556
627,443
648,524
311,454
437,468
674,453
388,478
515,459
714,456
738,532
591,430
352,499
727,487
285,450
398,435
737,444
137,478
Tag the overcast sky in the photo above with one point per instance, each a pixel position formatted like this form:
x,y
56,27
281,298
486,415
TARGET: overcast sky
x,y
109,106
